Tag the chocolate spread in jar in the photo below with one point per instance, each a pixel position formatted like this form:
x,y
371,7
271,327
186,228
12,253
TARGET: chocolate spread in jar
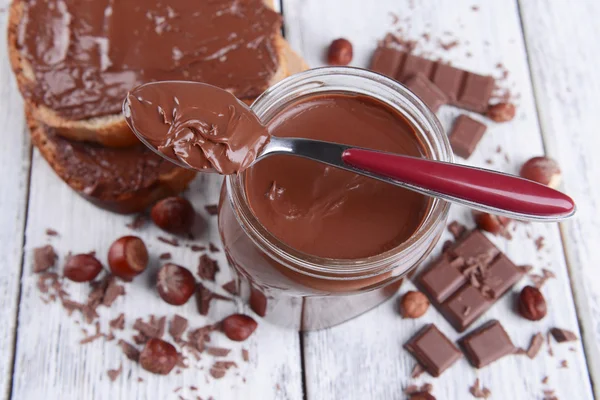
x,y
327,212
85,55
203,126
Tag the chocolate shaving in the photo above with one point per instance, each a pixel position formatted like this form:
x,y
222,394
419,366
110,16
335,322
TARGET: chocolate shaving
x,y
218,351
564,364
113,374
207,268
154,328
231,287
213,248
204,296
95,336
548,342
118,323
177,327
212,209
51,232
479,392
129,350
417,371
219,368
165,256
245,355
196,248
138,222
198,337
563,335
173,242
525,269
539,243
535,345
44,258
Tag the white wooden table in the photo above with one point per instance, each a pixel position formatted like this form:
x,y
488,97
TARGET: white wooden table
x,y
550,48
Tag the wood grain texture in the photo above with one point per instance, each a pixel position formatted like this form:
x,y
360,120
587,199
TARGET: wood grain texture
x,y
14,164
364,358
566,85
51,364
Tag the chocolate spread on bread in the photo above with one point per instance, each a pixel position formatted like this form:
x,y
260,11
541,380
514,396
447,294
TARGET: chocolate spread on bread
x,y
328,212
204,127
84,56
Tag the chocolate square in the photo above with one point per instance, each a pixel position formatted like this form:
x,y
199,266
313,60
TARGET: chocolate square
x,y
431,95
387,61
465,136
433,350
476,92
441,280
501,275
415,65
487,344
462,309
449,80
473,244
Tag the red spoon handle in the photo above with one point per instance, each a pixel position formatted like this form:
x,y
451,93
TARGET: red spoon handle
x,y
494,191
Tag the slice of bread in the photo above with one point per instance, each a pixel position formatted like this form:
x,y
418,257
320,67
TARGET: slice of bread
x,y
111,130
126,180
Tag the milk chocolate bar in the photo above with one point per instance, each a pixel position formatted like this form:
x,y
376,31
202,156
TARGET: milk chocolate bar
x,y
463,89
467,279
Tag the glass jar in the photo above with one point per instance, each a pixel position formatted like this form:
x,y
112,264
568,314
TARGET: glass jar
x,y
303,291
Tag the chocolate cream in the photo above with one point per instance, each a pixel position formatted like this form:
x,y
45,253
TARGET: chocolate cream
x,y
204,127
327,212
86,55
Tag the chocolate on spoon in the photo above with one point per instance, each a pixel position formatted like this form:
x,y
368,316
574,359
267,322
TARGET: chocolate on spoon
x,y
202,127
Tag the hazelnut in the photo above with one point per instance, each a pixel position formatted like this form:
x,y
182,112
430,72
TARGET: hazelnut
x,y
495,224
532,304
413,304
158,356
128,257
340,52
82,268
175,284
238,327
173,214
501,112
542,170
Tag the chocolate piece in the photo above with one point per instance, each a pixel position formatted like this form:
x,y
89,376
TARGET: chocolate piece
x,y
212,248
417,371
433,350
535,345
218,351
231,287
462,88
118,323
165,256
113,374
129,350
563,335
212,209
467,279
207,268
202,126
457,229
44,258
466,134
369,219
219,368
173,242
177,326
94,54
245,355
487,344
51,232
196,248
431,95
479,392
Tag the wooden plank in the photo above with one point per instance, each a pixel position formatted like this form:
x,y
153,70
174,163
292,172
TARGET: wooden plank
x,y
566,88
14,164
364,358
51,364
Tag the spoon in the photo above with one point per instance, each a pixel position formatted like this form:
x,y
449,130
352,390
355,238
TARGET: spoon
x,y
476,188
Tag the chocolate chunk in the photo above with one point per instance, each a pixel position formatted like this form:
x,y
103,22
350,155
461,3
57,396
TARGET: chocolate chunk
x,y
431,95
44,258
461,88
563,335
112,291
212,209
535,345
468,279
433,350
466,134
118,323
129,350
207,268
218,351
487,344
231,287
177,326
457,229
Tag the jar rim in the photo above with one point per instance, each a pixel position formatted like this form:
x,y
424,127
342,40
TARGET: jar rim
x,y
341,79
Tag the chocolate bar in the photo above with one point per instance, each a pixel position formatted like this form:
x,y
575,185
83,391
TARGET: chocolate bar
x,y
487,344
467,279
466,134
426,91
433,350
463,89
